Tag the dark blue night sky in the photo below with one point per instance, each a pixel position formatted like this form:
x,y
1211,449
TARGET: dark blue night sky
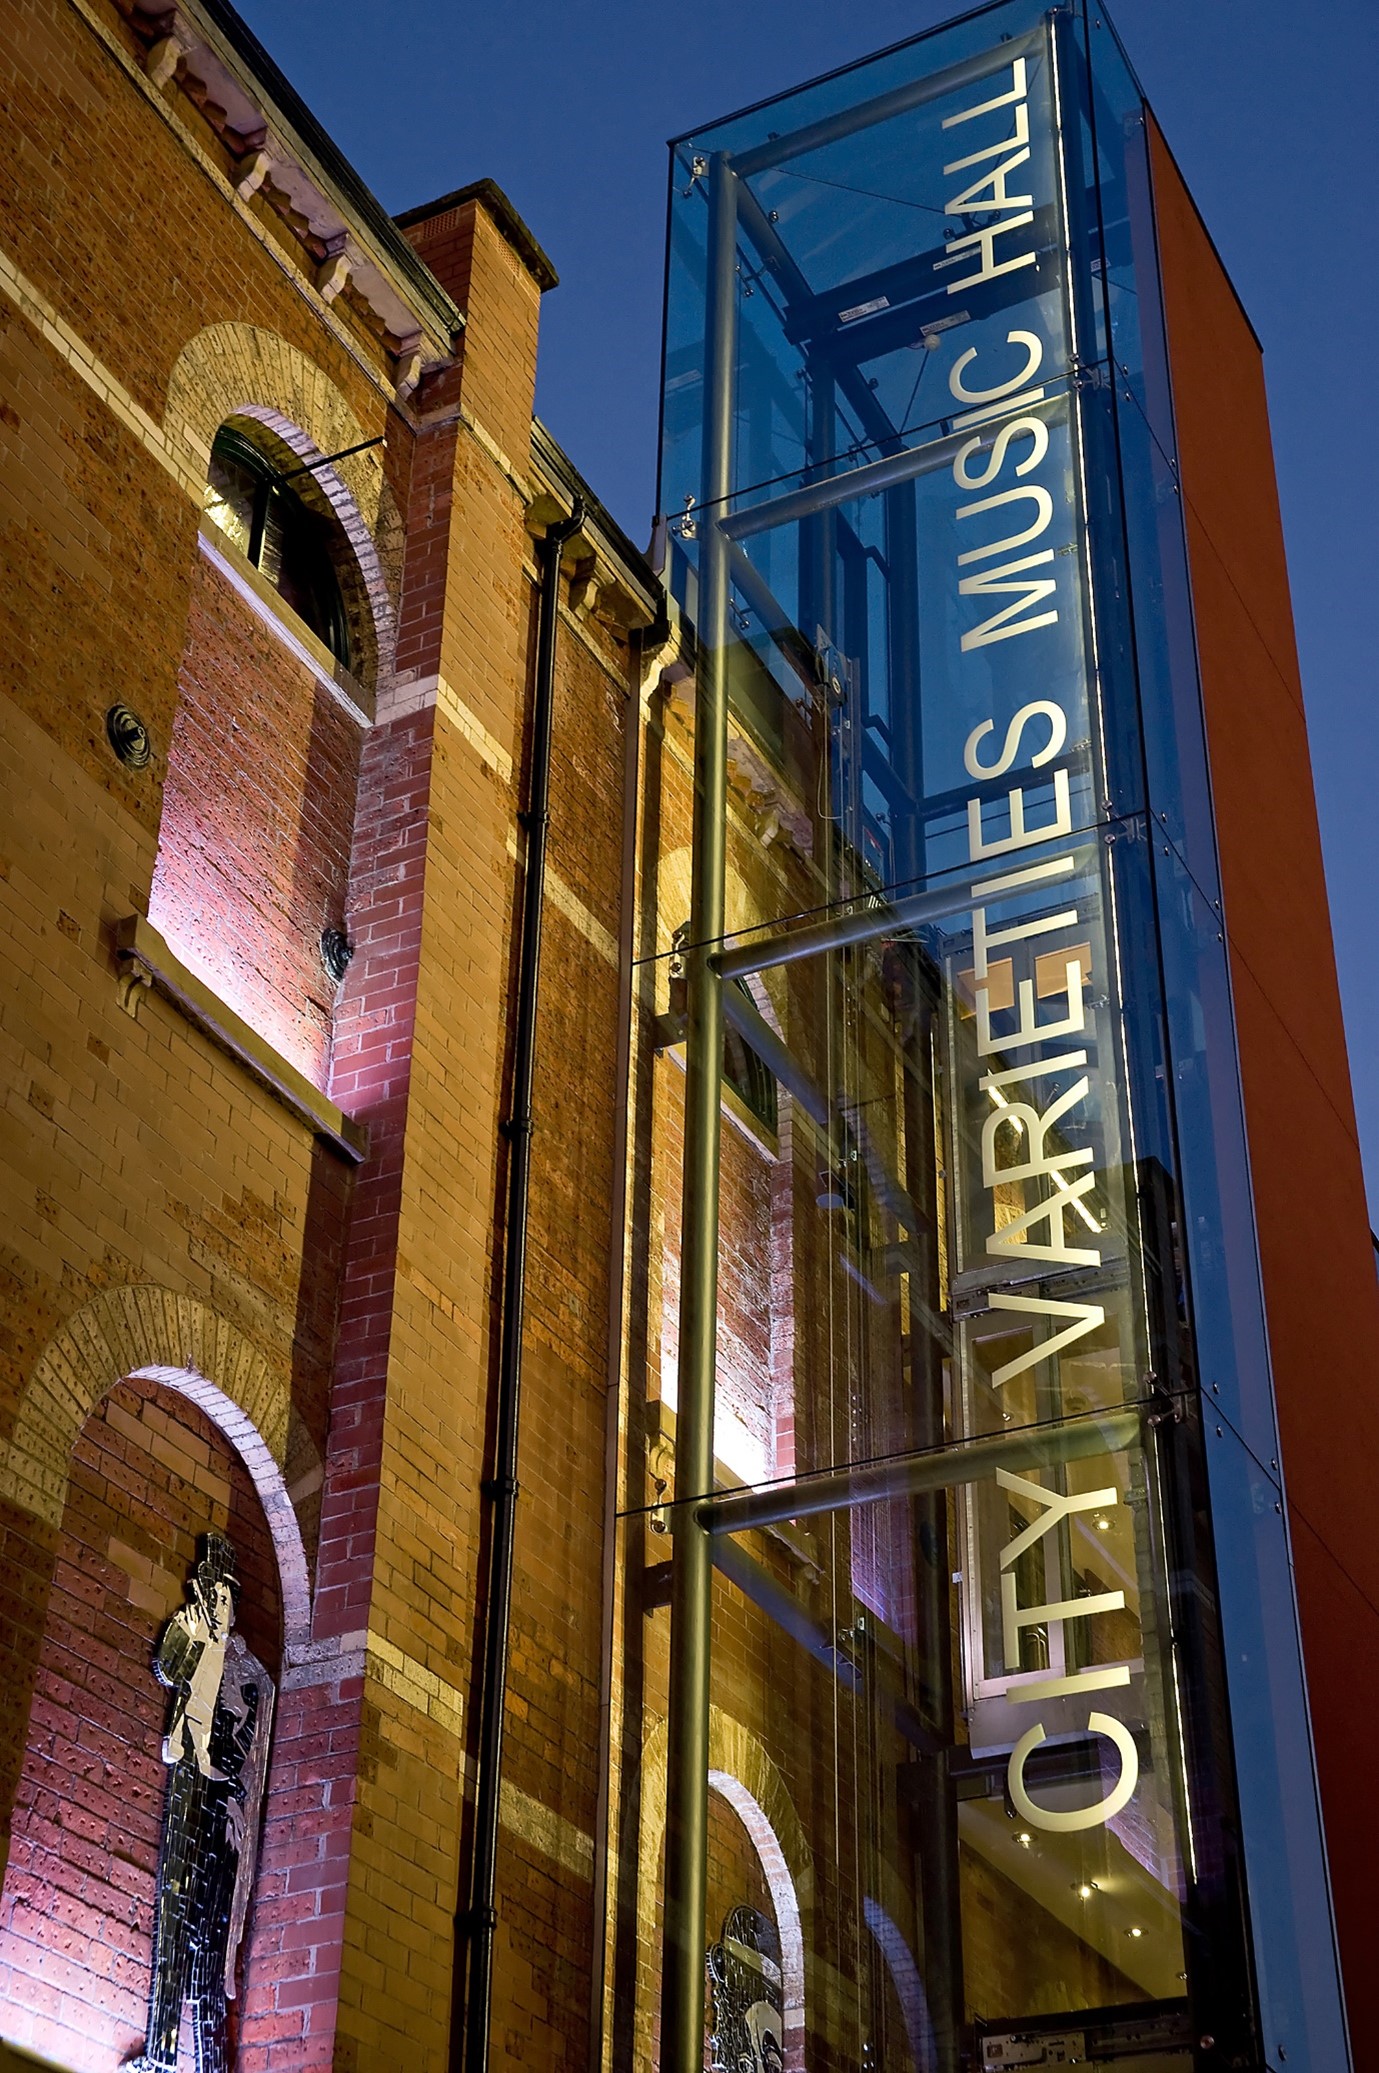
x,y
1269,109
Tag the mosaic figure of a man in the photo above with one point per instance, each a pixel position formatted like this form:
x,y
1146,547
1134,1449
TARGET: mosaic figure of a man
x,y
216,1750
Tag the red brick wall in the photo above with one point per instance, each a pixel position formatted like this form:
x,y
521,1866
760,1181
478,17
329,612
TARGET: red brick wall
x,y
473,261
149,1474
146,1153
372,1060
86,621
258,812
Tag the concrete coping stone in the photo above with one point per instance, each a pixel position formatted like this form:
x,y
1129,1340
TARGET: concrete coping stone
x,y
146,959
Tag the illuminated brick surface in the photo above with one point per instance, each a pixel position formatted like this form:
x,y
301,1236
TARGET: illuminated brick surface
x,y
163,1209
149,1474
258,811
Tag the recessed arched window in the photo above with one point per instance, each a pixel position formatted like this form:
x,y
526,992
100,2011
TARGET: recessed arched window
x,y
259,511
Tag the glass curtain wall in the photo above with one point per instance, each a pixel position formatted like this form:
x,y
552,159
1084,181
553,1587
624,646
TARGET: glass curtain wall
x,y
961,1676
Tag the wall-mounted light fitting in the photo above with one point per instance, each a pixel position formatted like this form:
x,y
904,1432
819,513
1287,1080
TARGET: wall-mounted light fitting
x,y
336,952
128,737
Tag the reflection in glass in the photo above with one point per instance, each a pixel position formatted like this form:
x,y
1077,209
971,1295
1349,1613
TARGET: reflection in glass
x,y
972,1779
922,1845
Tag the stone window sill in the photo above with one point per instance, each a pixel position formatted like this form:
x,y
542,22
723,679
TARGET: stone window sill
x,y
146,961
280,619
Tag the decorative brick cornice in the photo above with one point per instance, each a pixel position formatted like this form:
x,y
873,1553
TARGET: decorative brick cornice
x,y
205,65
619,585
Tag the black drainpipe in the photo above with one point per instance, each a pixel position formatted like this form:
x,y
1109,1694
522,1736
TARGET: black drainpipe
x,y
482,1920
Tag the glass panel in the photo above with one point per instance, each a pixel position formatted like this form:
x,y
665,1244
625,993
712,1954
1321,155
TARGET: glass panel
x,y
949,1854
965,1767
904,529
268,522
295,557
1218,1224
1179,786
1134,382
1125,213
232,489
994,1239
950,1227
1290,1904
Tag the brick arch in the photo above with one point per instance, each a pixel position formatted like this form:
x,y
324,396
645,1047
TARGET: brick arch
x,y
238,370
741,1770
172,1339
743,909
156,1335
231,368
900,1961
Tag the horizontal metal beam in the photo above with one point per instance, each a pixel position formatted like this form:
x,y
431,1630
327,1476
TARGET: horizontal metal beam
x,y
1037,1446
885,917
777,151
867,481
859,925
865,339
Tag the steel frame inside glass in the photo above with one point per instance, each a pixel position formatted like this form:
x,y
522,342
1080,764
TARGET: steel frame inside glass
x,y
962,1358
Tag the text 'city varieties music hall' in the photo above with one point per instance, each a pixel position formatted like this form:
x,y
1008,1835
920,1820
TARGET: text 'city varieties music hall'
x,y
1016,1587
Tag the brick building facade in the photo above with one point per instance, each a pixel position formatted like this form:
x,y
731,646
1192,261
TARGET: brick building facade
x,y
280,535
254,1208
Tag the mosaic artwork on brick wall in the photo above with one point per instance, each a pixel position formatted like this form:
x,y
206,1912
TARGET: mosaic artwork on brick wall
x,y
748,2004
125,1910
216,1747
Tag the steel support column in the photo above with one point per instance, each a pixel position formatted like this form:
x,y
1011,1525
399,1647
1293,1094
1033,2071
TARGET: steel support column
x,y
691,1604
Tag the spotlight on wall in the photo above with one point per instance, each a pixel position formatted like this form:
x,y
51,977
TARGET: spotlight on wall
x,y
336,952
835,1189
128,737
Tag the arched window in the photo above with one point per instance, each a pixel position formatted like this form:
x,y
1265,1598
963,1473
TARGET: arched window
x,y
259,511
251,883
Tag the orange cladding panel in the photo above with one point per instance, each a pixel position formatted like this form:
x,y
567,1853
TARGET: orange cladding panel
x,y
1320,1288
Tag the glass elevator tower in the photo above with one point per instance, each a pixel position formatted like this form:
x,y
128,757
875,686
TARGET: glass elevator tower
x,y
1011,1613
